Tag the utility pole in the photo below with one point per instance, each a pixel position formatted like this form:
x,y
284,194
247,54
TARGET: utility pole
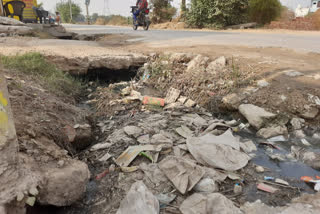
x,y
70,5
87,2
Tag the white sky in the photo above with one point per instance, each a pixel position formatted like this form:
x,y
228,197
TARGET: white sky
x,y
121,7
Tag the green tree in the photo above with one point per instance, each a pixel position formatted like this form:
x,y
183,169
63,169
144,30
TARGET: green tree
x,y
217,13
264,11
64,9
162,11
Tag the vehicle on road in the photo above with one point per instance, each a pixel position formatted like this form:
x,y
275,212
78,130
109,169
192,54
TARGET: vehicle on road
x,y
142,19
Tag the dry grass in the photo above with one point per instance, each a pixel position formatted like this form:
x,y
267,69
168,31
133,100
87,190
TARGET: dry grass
x,y
316,19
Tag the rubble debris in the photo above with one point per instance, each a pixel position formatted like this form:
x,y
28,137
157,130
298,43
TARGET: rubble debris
x,y
280,181
190,103
206,185
272,131
217,64
183,173
310,112
154,174
256,116
197,63
266,188
10,21
144,139
293,73
139,200
214,126
277,139
237,189
172,96
31,201
218,151
211,203
194,119
184,131
161,139
100,146
305,142
248,146
297,123
133,131
133,151
314,99
165,199
233,101
105,157
308,157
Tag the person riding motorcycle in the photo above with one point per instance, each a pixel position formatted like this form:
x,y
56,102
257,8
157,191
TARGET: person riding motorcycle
x,y
142,5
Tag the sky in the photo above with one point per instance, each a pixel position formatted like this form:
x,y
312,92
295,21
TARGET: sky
x,y
122,7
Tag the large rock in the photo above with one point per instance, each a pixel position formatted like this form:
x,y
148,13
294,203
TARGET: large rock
x,y
272,131
256,116
198,63
310,112
10,21
64,186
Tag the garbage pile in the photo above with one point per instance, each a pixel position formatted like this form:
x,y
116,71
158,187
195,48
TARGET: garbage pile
x,y
174,155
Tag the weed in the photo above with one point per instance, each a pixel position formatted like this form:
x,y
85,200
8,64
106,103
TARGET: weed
x,y
53,79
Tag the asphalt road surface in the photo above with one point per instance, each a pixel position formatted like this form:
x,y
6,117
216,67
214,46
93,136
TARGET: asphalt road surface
x,y
299,41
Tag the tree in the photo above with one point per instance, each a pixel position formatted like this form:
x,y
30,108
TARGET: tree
x,y
263,11
162,11
94,17
64,9
183,6
217,13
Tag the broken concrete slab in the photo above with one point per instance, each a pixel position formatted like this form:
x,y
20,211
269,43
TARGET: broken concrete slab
x,y
248,146
218,151
272,131
133,131
217,64
8,147
297,123
144,139
19,30
233,101
256,116
172,96
139,200
183,173
10,21
206,185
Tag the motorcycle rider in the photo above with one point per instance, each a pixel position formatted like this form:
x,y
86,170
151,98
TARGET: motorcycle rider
x,y
142,5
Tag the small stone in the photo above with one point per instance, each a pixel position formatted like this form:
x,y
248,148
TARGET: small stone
x,y
305,142
190,103
262,83
237,189
297,123
20,196
76,126
283,98
112,168
31,201
182,99
61,163
144,139
272,131
316,136
206,185
133,131
259,169
248,146
293,73
299,134
33,191
310,112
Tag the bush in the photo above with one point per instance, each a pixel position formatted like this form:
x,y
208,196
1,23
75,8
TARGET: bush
x,y
264,11
35,65
162,11
217,13
113,20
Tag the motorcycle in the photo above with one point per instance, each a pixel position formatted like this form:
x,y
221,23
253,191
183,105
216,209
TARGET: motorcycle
x,y
142,19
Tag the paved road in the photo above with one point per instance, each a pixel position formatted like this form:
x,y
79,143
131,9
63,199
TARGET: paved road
x,y
308,42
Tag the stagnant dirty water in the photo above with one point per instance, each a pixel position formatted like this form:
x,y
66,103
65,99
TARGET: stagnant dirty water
x,y
288,170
